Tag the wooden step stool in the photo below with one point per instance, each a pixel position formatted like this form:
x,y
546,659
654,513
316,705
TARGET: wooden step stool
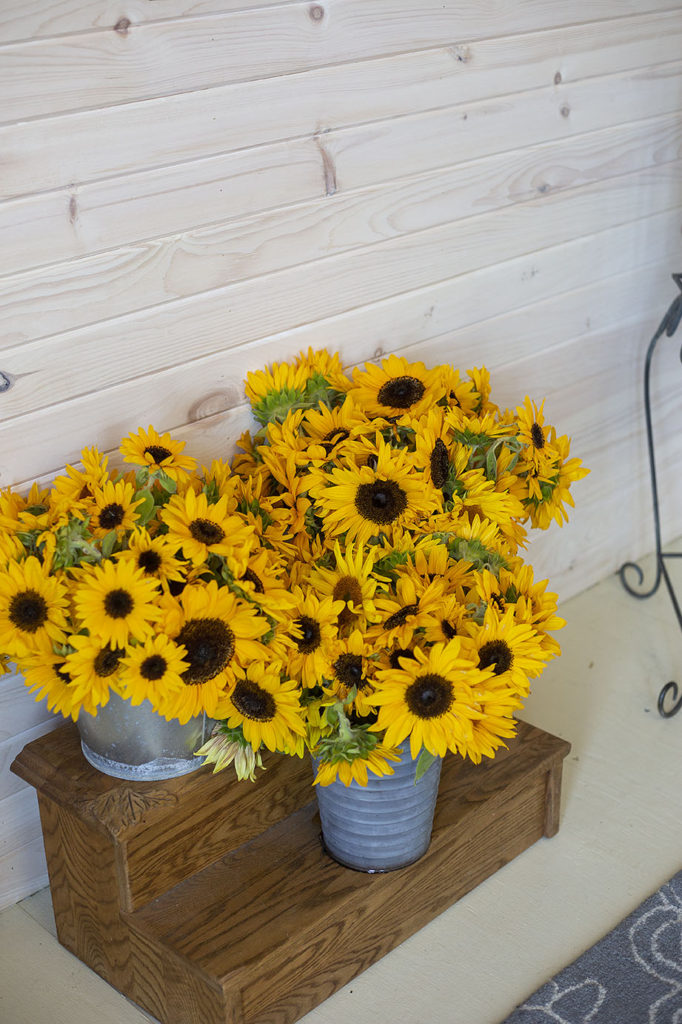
x,y
210,901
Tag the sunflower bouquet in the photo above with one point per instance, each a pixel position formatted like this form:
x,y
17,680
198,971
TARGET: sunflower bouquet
x,y
403,495
138,582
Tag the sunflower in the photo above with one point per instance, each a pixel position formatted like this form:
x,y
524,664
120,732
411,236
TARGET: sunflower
x,y
353,667
266,707
433,440
322,364
413,604
33,608
156,557
112,507
219,632
153,671
313,631
363,501
513,650
352,581
71,490
264,583
201,529
557,493
432,560
495,725
533,434
458,393
48,676
538,608
480,378
273,392
158,452
115,601
429,699
329,431
448,621
478,496
93,667
220,478
378,761
395,388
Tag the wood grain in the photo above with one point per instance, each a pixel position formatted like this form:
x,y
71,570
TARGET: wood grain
x,y
75,148
75,293
101,68
82,219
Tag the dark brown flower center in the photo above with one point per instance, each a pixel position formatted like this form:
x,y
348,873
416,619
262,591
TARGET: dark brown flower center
x,y
537,436
28,611
401,392
380,502
449,631
253,702
400,617
154,667
206,531
111,515
334,437
310,638
348,589
149,561
251,576
210,646
106,662
400,652
497,653
348,668
429,696
440,463
157,452
62,674
118,603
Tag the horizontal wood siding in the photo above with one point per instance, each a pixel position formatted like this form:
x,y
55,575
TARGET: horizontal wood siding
x,y
193,188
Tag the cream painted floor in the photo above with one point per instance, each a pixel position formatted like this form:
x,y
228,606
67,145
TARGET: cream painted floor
x,y
620,838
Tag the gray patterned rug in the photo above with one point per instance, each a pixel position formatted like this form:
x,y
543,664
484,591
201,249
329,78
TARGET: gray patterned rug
x,y
631,976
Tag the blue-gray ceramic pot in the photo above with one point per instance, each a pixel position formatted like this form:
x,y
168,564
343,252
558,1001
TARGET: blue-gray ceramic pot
x,y
384,825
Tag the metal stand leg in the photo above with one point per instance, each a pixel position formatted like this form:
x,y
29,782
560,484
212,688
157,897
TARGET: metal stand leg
x,y
668,326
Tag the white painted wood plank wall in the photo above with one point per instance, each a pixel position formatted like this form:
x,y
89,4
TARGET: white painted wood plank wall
x,y
191,188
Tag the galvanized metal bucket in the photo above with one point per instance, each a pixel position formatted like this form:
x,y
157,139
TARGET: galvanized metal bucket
x,y
137,743
384,825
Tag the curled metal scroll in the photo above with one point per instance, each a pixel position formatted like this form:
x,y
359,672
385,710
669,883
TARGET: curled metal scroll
x,y
668,326
674,691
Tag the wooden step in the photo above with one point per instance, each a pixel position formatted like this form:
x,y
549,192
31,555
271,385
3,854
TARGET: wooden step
x,y
272,926
161,832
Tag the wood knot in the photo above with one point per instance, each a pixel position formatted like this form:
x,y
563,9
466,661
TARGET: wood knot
x,y
461,53
316,12
73,209
565,110
122,26
5,382
211,405
558,79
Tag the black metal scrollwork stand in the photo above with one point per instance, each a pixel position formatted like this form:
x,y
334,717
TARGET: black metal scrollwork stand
x,y
668,326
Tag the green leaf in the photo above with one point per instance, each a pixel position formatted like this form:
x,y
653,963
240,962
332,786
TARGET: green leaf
x,y
145,510
491,465
168,485
108,543
424,762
